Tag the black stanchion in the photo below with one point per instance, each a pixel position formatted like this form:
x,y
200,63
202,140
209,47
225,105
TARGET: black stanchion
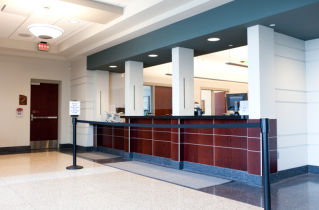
x,y
74,166
266,171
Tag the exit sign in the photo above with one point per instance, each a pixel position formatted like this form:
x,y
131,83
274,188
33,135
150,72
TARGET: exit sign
x,y
43,46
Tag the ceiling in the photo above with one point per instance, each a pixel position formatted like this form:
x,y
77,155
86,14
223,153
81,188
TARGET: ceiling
x,y
89,35
15,17
300,22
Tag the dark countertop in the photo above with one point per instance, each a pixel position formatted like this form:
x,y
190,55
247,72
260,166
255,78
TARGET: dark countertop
x,y
211,117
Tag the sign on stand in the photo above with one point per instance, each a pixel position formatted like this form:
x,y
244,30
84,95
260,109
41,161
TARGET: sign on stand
x,y
75,108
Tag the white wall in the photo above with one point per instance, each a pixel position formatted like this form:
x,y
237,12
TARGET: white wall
x,y
117,90
291,101
16,74
312,78
207,96
82,89
92,89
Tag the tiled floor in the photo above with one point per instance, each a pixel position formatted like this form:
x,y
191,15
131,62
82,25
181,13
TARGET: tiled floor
x,y
40,181
296,193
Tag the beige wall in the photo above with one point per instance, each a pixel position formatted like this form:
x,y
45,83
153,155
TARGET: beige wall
x,y
16,74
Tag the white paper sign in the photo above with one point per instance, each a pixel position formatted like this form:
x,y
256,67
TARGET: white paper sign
x,y
75,107
244,108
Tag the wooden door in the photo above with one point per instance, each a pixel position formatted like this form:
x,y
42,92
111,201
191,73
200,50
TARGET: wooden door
x,y
220,103
44,116
163,101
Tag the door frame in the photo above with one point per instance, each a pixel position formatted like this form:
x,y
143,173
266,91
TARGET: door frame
x,y
213,89
50,144
153,91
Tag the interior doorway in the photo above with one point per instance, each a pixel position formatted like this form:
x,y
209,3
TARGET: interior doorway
x,y
163,101
214,101
44,115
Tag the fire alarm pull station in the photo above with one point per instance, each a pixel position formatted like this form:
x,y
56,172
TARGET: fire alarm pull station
x,y
19,112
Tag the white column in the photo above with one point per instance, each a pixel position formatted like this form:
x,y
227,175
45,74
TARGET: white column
x,y
133,88
261,72
183,81
101,99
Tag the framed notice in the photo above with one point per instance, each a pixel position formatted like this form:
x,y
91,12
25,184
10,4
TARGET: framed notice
x,y
75,108
22,100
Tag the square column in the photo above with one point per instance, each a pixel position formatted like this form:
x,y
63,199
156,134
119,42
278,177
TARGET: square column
x,y
183,81
134,88
261,72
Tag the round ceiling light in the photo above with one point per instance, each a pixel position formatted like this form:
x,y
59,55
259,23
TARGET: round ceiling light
x,y
231,45
213,39
272,25
73,21
113,67
45,31
153,55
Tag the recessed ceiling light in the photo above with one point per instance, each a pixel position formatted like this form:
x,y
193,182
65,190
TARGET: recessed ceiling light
x,y
153,55
213,39
272,25
231,45
73,21
113,66
24,35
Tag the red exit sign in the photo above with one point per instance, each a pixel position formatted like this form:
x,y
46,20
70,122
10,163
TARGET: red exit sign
x,y
43,46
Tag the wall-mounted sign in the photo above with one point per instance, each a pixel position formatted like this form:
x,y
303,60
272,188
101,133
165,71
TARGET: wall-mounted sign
x,y
43,46
22,100
19,112
75,108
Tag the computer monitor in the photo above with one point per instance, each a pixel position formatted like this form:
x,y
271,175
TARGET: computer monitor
x,y
231,98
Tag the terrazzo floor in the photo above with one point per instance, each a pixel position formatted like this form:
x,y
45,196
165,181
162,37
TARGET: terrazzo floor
x,y
40,181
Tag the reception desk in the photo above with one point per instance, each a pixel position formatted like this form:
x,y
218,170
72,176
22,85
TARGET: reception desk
x,y
233,153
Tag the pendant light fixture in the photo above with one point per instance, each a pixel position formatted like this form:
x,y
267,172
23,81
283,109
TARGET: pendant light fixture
x,y
45,31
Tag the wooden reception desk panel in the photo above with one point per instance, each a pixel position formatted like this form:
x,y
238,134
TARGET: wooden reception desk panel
x,y
234,148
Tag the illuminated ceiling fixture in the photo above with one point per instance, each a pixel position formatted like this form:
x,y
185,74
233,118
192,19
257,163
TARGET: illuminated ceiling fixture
x,y
153,55
45,31
213,39
113,67
236,64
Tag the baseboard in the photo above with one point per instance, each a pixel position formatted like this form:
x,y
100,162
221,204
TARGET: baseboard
x,y
19,149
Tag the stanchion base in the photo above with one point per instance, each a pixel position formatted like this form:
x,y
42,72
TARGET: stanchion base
x,y
74,167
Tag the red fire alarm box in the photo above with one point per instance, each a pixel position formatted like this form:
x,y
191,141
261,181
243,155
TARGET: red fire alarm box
x,y
19,112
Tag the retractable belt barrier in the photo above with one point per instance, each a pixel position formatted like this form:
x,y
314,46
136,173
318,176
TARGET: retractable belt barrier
x,y
263,125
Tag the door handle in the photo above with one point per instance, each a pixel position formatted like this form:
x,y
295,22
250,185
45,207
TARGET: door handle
x,y
43,118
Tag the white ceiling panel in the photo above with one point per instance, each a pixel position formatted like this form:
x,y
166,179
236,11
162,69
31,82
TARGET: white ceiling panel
x,y
121,3
16,10
9,23
65,37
